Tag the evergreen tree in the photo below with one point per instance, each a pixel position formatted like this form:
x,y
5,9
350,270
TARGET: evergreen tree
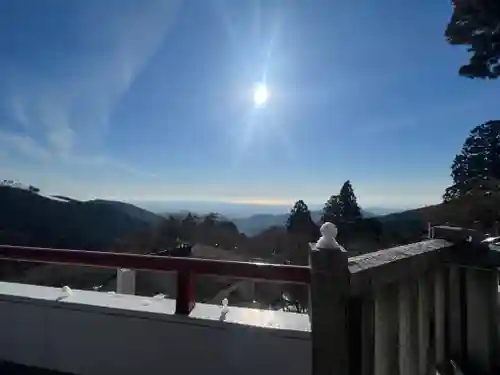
x,y
332,210
300,221
476,24
210,219
301,229
477,166
348,205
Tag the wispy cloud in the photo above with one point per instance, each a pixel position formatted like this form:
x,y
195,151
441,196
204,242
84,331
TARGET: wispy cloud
x,y
57,116
23,144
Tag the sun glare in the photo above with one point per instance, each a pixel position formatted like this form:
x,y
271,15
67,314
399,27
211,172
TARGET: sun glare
x,y
260,95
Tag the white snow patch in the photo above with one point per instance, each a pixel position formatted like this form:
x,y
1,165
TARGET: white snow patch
x,y
225,307
53,198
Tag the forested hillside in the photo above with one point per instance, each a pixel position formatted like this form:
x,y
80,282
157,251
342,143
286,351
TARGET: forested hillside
x,y
27,218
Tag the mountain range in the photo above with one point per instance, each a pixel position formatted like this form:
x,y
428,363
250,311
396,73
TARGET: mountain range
x,y
33,219
250,219
255,224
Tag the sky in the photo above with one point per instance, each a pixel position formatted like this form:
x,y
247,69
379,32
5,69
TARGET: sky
x,y
154,100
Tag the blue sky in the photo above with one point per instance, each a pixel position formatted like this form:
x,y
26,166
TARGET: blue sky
x,y
152,100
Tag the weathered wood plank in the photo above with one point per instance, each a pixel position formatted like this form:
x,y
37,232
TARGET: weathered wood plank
x,y
440,295
482,330
374,270
386,331
408,328
361,334
457,302
355,335
425,317
368,332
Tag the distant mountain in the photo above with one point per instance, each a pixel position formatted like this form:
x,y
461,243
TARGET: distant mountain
x,y
237,210
255,224
33,219
227,209
380,211
131,210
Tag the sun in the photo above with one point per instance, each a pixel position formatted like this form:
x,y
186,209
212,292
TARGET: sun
x,y
260,95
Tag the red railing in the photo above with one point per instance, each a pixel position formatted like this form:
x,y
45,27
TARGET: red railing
x,y
186,268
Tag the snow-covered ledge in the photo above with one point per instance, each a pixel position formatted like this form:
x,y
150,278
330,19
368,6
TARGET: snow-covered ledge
x,y
87,332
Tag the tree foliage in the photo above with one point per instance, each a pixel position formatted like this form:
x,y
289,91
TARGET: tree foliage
x,y
476,169
476,24
301,230
332,210
342,208
350,210
300,221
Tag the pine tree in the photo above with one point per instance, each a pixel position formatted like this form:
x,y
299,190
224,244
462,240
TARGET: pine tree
x,y
302,230
332,210
476,24
477,167
297,214
299,220
348,205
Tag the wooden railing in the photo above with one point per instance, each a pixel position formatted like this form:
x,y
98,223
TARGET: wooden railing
x,y
406,310
187,268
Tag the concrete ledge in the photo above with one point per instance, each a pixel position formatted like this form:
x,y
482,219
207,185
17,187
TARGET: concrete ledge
x,y
101,333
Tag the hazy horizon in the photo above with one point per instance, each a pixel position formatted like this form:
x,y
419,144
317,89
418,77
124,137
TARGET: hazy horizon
x,y
239,210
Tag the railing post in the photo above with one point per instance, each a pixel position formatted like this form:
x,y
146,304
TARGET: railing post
x,y
125,281
185,293
329,305
186,287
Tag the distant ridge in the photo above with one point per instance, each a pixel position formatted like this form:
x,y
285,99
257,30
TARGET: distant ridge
x,y
33,219
130,209
255,224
